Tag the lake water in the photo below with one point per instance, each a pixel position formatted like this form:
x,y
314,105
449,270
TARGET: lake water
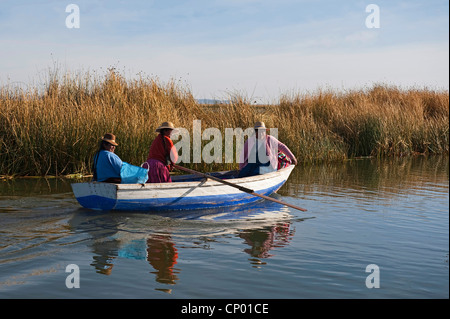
x,y
391,214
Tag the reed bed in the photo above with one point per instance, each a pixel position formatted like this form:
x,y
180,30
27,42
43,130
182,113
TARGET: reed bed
x,y
56,131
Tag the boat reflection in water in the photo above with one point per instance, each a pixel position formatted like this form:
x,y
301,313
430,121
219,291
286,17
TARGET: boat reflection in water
x,y
160,239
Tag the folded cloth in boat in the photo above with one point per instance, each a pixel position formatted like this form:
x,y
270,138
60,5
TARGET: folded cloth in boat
x,y
132,174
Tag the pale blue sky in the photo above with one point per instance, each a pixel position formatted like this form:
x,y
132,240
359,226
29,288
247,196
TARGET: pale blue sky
x,y
258,48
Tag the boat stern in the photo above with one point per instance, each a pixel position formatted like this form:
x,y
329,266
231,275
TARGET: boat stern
x,y
94,195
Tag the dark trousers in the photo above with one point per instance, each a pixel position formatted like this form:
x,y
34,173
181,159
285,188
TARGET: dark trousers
x,y
251,169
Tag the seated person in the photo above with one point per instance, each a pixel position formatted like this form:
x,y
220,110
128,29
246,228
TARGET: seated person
x,y
161,155
107,165
258,155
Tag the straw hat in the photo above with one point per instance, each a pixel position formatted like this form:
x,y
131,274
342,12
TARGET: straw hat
x,y
260,126
110,138
164,125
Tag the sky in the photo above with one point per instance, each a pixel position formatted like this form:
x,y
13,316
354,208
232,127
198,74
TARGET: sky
x,y
216,48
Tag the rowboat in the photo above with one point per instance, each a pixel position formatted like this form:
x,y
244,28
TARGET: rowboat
x,y
186,192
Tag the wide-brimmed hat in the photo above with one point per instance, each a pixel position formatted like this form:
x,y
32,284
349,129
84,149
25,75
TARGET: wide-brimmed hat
x,y
260,126
164,125
110,138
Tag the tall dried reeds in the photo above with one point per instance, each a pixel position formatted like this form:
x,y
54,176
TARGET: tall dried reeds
x,y
56,131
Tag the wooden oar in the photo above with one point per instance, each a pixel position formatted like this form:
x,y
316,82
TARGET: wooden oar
x,y
241,188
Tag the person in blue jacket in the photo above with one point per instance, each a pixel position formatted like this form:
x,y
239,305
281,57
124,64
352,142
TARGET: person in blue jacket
x,y
107,165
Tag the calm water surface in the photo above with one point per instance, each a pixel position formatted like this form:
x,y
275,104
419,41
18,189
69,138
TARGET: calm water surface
x,y
393,214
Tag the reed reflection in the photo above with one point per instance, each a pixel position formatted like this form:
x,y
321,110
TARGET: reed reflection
x,y
369,178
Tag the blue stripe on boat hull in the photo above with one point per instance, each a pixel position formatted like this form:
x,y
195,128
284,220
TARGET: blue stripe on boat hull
x,y
97,202
198,202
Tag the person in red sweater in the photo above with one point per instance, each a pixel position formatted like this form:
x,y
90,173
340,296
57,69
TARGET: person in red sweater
x,y
161,155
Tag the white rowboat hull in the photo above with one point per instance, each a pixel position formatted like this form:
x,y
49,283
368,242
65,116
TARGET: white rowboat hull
x,y
201,194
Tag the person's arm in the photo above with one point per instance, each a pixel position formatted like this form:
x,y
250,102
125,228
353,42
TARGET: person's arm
x,y
173,155
283,148
243,158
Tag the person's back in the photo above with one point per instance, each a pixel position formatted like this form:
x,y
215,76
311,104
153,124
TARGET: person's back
x,y
108,166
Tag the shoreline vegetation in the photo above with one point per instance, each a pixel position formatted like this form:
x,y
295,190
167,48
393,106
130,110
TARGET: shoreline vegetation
x,y
56,130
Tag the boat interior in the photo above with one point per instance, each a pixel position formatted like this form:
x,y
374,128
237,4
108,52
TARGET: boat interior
x,y
195,178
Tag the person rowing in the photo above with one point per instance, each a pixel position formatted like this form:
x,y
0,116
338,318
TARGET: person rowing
x,y
260,153
161,155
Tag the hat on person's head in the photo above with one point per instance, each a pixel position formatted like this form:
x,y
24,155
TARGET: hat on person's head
x,y
164,125
110,138
260,126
